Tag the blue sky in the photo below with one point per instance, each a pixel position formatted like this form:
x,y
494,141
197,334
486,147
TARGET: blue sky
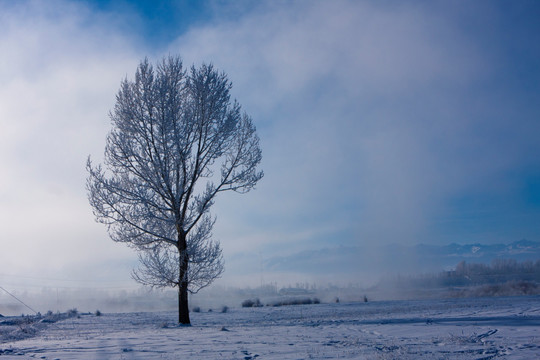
x,y
380,122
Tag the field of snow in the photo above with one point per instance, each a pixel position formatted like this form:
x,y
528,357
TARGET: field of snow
x,y
482,328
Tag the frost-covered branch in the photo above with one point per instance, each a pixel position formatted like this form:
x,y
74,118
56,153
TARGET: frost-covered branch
x,y
177,140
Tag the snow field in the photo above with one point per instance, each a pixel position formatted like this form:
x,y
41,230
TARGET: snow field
x,y
484,328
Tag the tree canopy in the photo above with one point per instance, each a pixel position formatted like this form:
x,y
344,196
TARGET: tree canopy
x,y
177,141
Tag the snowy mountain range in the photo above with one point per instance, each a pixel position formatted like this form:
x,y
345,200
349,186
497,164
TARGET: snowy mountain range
x,y
400,258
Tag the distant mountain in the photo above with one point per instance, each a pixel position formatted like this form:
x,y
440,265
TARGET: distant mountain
x,y
399,258
452,254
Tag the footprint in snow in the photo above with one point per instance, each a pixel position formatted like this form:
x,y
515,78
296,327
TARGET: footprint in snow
x,y
248,355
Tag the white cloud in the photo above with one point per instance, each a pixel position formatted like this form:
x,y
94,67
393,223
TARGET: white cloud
x,y
371,117
337,89
61,67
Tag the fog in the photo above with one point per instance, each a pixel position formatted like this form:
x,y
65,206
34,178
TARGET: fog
x,y
383,126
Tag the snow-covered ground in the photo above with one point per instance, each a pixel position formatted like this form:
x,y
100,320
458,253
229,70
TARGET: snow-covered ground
x,y
482,328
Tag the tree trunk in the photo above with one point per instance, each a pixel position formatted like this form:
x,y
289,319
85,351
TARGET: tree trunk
x,y
183,308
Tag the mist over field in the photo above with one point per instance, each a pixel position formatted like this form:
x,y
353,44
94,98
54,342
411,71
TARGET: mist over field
x,y
422,272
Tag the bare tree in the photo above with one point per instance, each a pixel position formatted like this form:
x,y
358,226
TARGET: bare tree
x,y
177,140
